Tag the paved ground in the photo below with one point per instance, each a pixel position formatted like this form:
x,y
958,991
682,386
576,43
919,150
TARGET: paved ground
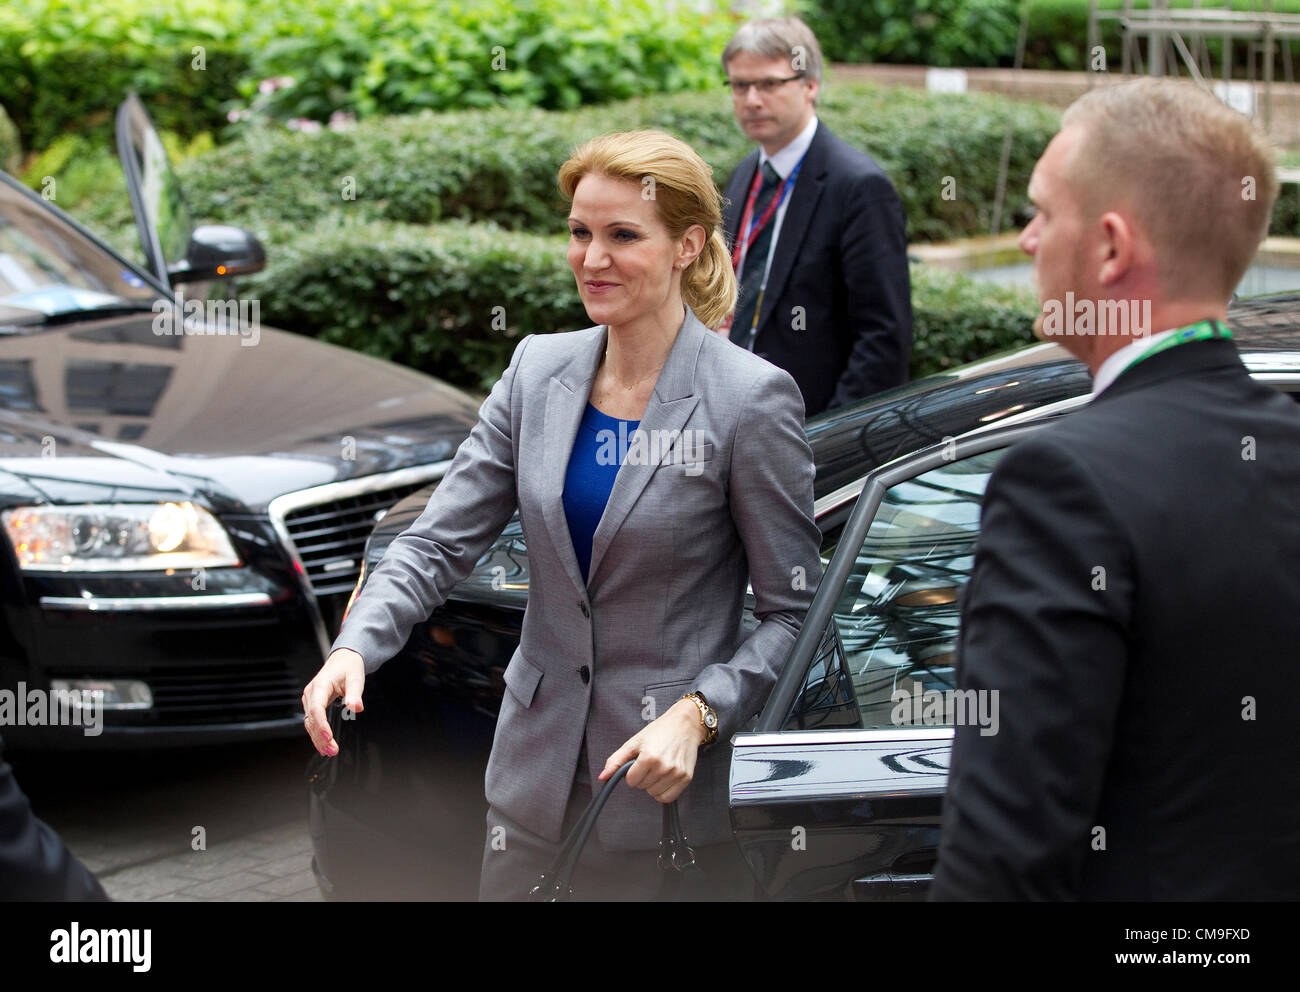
x,y
132,819
271,865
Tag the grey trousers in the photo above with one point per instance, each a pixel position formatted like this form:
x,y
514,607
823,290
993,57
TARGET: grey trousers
x,y
513,858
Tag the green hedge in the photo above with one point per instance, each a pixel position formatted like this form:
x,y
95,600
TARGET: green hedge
x,y
453,299
356,56
956,319
65,65
10,147
500,164
422,296
918,32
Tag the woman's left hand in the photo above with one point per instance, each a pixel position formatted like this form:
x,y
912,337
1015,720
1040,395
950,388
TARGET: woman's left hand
x,y
665,753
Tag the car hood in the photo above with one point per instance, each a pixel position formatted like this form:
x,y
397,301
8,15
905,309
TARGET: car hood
x,y
109,410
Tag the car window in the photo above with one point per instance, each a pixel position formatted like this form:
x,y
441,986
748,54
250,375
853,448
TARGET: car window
x,y
155,191
47,267
895,618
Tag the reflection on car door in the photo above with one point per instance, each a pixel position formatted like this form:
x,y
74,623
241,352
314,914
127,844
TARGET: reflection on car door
x,y
162,218
837,792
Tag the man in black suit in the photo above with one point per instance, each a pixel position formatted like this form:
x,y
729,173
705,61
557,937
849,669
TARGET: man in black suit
x,y
1135,599
34,863
824,230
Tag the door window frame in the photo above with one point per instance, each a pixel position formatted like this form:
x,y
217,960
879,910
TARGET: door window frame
x,y
876,483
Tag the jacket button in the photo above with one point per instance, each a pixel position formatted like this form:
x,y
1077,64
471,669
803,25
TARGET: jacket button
x,y
585,672
583,606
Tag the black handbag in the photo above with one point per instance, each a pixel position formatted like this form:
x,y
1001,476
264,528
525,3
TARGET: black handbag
x,y
682,877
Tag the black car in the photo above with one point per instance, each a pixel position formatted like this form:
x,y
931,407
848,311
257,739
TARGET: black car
x,y
832,795
185,494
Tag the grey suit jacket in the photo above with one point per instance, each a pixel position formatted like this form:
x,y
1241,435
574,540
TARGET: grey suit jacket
x,y
720,490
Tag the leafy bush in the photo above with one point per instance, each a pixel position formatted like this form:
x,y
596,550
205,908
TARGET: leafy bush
x,y
89,184
66,64
920,32
942,153
355,56
453,299
503,163
427,297
11,148
956,319
1286,212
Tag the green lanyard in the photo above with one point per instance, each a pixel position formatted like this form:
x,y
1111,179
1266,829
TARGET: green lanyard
x,y
1202,331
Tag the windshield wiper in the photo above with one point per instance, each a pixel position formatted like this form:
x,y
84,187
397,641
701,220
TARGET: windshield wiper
x,y
115,309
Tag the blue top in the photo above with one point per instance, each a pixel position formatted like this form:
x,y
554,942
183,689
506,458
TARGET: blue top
x,y
598,453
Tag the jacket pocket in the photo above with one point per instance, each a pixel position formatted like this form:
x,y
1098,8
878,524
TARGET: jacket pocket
x,y
665,694
692,458
522,677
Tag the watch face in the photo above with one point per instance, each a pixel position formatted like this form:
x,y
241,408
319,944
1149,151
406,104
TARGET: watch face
x,y
710,720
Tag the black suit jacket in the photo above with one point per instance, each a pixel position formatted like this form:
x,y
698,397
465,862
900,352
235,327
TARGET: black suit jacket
x,y
841,256
1135,601
34,863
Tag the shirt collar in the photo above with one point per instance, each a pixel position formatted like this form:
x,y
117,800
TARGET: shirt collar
x,y
1112,367
788,157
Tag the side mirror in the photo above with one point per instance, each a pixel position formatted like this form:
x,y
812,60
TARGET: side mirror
x,y
217,251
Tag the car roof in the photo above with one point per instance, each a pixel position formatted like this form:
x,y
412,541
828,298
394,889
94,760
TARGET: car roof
x,y
852,440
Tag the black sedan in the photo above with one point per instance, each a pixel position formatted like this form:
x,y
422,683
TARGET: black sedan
x,y
185,494
836,790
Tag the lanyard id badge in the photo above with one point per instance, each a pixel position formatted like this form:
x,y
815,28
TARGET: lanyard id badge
x,y
751,226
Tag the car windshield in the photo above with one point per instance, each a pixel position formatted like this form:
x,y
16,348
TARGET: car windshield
x,y
48,268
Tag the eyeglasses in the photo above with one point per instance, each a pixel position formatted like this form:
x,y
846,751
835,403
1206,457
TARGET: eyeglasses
x,y
740,86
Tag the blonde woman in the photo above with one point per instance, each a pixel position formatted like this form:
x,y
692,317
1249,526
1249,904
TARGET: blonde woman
x,y
657,468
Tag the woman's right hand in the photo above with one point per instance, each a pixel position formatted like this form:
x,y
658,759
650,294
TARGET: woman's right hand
x,y
343,674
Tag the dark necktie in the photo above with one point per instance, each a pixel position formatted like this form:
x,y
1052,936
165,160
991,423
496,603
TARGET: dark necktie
x,y
755,259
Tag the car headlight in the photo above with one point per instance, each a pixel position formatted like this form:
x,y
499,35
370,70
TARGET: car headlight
x,y
92,537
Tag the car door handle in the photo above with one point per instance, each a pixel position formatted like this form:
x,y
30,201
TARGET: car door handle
x,y
892,887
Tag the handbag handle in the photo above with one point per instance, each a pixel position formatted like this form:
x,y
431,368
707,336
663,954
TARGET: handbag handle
x,y
674,852
556,883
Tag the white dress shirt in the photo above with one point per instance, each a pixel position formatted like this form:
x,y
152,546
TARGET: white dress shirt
x,y
1118,362
783,162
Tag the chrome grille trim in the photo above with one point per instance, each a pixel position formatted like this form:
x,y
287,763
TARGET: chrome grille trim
x,y
281,507
213,601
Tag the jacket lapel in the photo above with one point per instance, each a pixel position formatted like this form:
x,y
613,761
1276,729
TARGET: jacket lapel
x,y
671,403
566,400
737,189
798,214
1189,358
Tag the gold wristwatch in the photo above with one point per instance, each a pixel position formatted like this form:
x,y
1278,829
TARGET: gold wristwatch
x,y
708,718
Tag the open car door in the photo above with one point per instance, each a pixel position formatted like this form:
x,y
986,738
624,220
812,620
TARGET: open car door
x,y
174,249
837,793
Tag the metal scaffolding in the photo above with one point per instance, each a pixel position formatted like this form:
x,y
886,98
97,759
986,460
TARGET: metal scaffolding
x,y
1167,32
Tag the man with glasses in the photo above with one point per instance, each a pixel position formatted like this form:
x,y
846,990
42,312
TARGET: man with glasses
x,y
817,230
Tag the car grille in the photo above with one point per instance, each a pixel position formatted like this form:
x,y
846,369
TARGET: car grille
x,y
229,692
330,537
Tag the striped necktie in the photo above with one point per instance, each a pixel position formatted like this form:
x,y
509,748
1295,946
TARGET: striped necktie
x,y
755,259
